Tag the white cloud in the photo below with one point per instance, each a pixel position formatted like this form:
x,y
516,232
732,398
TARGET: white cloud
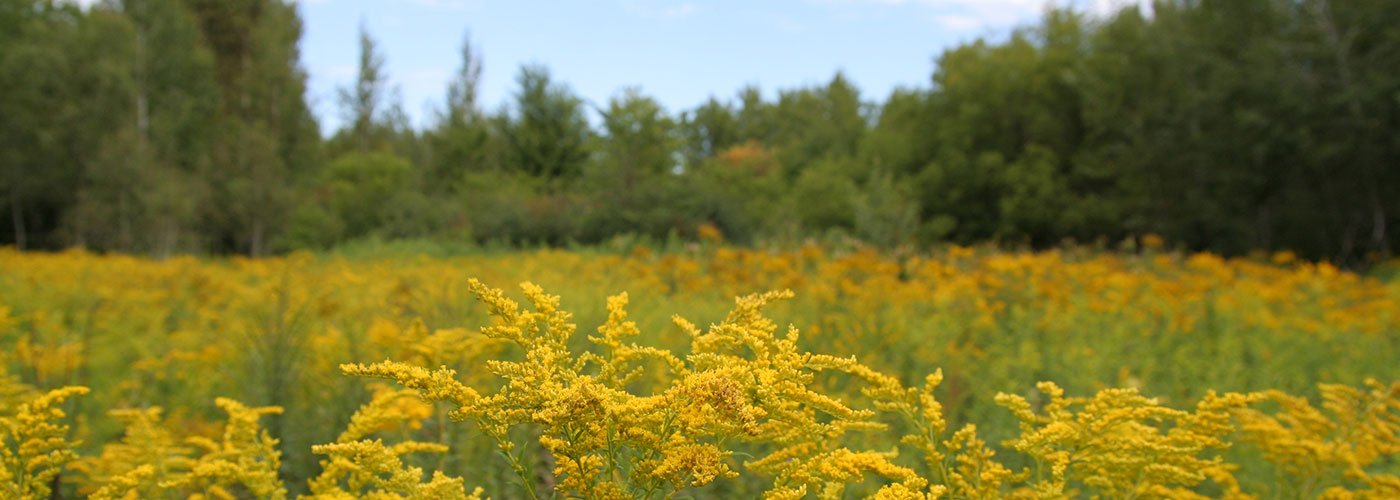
x,y
678,11
445,4
959,22
973,15
653,9
993,12
432,4
427,76
336,72
788,25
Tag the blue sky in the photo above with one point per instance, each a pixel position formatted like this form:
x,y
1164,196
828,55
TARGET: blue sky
x,y
677,51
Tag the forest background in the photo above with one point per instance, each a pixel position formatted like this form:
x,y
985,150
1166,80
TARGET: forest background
x,y
182,126
1061,209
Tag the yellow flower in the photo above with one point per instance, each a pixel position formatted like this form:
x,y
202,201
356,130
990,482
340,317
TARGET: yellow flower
x,y
34,445
246,456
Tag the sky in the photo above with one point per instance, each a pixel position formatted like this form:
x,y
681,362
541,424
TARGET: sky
x,y
680,52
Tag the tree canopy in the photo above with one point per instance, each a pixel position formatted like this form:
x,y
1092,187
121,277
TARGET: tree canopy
x,y
164,126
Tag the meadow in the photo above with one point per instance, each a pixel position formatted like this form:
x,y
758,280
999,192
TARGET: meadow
x,y
699,371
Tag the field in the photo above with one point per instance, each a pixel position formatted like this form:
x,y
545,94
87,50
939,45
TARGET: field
x,y
967,372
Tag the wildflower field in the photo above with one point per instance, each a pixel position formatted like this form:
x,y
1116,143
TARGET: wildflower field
x,y
700,372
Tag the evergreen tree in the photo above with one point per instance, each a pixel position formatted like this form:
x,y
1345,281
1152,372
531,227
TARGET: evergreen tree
x,y
546,131
460,140
363,104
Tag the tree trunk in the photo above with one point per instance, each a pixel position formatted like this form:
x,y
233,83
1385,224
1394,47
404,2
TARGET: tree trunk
x,y
1340,45
255,240
125,238
17,218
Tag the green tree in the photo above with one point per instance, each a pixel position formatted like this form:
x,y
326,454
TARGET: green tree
x,y
39,160
885,211
1348,76
639,140
825,196
546,132
707,130
1009,114
815,124
265,135
743,191
364,106
461,140
756,119
899,141
362,189
139,189
633,179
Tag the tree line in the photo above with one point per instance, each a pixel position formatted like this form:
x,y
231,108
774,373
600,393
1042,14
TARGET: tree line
x,y
165,126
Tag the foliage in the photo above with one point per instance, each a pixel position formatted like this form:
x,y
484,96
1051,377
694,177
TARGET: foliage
x,y
162,127
547,132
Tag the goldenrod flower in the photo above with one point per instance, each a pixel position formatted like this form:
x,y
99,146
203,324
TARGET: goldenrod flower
x,y
34,446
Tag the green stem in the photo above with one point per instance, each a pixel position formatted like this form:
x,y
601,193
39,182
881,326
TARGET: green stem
x,y
517,466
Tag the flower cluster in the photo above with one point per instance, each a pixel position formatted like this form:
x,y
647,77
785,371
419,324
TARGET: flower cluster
x,y
1312,450
144,464
736,405
1121,444
34,445
741,384
148,462
359,467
